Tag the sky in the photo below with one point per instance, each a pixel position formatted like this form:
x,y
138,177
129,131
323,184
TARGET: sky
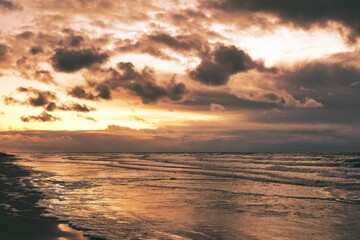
x,y
180,75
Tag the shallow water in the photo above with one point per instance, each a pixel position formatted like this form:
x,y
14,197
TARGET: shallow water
x,y
201,195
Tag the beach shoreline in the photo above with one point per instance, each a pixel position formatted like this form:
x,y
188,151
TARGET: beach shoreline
x,y
179,196
20,217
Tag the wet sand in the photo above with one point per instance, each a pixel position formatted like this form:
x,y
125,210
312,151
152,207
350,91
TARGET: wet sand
x,y
20,218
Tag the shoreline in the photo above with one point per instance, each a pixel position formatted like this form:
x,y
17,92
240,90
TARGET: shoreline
x,y
20,217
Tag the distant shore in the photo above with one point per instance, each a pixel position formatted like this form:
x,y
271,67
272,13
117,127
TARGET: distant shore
x,y
19,216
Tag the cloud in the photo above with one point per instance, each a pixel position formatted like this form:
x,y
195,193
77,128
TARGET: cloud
x,y
329,82
104,91
143,84
179,42
279,97
80,92
334,82
306,13
133,10
36,50
75,107
43,117
322,73
216,107
9,5
3,51
202,98
195,138
75,41
44,76
37,98
311,103
47,100
25,35
216,68
287,100
315,116
155,43
65,60
83,92
139,83
87,118
29,69
150,92
181,16
10,100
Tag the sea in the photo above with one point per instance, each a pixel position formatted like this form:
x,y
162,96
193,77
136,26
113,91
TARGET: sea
x,y
200,195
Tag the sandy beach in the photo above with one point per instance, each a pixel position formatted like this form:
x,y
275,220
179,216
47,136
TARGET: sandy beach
x,y
19,216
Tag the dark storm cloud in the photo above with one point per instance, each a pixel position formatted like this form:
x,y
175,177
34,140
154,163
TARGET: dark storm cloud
x,y
75,41
155,43
304,13
83,92
36,50
3,51
336,84
322,74
176,91
25,35
37,98
201,99
67,50
76,108
325,115
144,85
80,92
217,67
73,60
51,106
128,71
333,81
139,83
150,92
45,99
43,117
179,42
9,5
104,91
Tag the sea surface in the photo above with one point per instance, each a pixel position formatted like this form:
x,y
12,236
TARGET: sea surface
x,y
201,195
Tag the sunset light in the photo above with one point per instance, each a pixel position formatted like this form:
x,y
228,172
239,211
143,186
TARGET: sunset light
x,y
179,119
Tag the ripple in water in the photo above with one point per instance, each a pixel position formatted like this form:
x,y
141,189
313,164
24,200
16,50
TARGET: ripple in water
x,y
201,195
